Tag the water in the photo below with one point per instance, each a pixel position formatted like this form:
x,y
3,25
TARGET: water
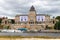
x,y
30,34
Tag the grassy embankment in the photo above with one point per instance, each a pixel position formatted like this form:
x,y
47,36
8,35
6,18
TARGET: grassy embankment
x,y
28,37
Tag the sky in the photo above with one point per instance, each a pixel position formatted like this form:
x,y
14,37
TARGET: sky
x,y
10,8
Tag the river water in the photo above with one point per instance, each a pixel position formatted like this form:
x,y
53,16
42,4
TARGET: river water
x,y
29,34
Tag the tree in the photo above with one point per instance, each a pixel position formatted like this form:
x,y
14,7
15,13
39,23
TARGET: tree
x,y
57,26
58,17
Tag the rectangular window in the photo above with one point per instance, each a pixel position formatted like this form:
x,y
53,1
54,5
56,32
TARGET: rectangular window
x,y
31,22
40,18
23,18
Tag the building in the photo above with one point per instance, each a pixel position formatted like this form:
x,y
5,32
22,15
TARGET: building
x,y
31,21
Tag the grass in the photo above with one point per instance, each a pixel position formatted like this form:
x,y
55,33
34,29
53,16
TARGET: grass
x,y
28,37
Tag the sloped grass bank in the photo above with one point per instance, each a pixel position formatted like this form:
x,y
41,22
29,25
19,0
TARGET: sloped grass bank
x,y
29,37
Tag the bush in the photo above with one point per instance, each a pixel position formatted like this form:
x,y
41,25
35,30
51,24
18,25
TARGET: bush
x,y
57,26
6,27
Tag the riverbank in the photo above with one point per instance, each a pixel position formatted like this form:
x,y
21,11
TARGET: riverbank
x,y
50,31
26,39
45,37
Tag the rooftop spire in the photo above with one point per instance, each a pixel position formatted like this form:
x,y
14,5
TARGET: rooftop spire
x,y
32,8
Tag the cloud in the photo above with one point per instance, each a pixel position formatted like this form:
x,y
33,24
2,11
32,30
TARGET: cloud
x,y
11,8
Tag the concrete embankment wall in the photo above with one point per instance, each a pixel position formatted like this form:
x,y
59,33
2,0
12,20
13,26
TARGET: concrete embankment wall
x,y
58,31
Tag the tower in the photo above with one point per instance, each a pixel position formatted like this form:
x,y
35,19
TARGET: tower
x,y
32,10
32,15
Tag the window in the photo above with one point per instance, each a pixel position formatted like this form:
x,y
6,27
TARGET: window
x,y
31,22
40,18
25,19
53,22
5,22
21,19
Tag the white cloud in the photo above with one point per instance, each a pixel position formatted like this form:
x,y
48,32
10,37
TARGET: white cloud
x,y
12,7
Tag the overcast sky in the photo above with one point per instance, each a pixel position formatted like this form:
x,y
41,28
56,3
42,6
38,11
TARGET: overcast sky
x,y
10,8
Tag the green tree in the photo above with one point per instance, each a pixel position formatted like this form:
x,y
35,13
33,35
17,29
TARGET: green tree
x,y
57,26
58,17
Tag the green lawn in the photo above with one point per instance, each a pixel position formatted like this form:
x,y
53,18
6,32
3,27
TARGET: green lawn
x,y
27,37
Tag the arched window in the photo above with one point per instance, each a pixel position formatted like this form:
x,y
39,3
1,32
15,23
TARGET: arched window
x,y
53,21
5,22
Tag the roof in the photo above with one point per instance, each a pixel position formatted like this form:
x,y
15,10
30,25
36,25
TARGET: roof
x,y
32,8
36,15
22,15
